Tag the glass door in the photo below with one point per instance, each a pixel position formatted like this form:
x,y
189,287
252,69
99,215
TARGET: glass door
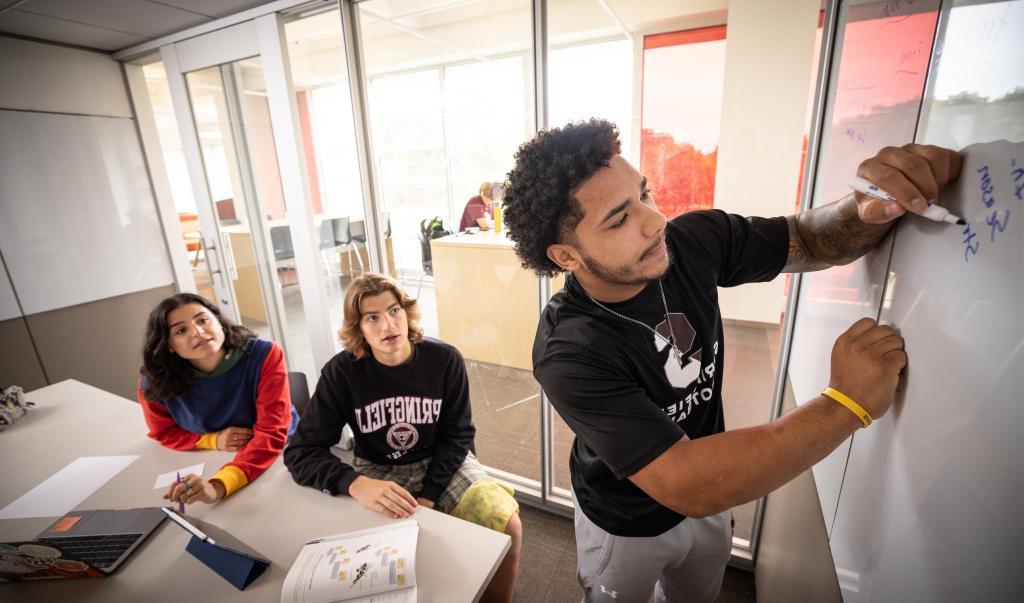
x,y
256,221
220,104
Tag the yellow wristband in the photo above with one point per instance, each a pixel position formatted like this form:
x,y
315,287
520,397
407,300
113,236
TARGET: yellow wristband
x,y
846,401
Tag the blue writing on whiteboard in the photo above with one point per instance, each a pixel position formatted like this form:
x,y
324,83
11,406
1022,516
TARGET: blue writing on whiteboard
x,y
987,189
970,244
1018,180
996,224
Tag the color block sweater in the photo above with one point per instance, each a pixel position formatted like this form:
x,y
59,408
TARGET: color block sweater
x,y
248,389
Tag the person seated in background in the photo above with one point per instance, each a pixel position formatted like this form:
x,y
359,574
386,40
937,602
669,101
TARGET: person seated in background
x,y
407,399
479,209
210,384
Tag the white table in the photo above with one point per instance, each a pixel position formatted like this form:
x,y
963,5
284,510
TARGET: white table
x,y
274,515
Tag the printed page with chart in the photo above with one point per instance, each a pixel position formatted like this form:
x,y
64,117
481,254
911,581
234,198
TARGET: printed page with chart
x,y
376,565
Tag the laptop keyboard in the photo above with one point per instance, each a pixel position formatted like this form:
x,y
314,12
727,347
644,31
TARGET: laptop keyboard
x,y
98,551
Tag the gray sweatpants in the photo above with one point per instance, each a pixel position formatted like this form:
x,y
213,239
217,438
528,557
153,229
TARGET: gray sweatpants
x,y
685,564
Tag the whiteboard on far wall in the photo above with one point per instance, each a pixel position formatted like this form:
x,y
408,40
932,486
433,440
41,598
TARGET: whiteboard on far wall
x,y
79,221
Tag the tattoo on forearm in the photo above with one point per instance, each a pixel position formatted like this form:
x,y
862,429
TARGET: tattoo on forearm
x,y
832,235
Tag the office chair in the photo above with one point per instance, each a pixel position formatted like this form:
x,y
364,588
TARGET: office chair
x,y
357,235
425,259
298,387
281,241
335,236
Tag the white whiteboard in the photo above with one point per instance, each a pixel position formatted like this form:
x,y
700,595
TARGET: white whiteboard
x,y
79,221
931,501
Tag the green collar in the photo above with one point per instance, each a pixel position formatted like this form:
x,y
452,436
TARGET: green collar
x,y
230,360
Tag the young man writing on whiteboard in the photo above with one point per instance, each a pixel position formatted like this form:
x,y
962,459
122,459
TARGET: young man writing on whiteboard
x,y
630,352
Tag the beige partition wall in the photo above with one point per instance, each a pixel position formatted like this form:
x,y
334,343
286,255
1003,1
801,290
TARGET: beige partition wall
x,y
99,343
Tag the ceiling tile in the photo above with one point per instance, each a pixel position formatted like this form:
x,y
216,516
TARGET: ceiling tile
x,y
215,8
58,30
147,19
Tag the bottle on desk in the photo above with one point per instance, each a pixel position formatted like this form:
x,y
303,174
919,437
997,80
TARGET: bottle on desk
x,y
496,208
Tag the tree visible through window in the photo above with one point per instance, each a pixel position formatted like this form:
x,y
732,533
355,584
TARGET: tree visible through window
x,y
683,74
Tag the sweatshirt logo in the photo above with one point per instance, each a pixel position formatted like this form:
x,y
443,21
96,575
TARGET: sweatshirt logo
x,y
402,436
409,410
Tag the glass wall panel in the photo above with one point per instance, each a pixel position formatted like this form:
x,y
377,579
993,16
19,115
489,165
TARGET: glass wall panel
x,y
450,101
320,81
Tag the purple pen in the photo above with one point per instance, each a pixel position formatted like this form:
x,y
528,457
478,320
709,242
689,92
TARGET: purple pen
x,y
181,504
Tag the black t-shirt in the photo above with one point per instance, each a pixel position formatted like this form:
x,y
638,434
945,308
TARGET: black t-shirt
x,y
617,384
399,415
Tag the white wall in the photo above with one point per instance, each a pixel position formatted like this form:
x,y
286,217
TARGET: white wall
x,y
44,77
769,51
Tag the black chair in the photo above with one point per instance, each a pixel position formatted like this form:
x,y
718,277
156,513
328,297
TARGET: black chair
x,y
357,231
281,240
426,261
335,235
284,250
298,387
357,235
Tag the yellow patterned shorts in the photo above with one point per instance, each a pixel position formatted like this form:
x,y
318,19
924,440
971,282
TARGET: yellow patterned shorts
x,y
471,495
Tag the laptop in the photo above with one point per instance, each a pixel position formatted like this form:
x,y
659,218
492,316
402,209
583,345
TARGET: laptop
x,y
81,544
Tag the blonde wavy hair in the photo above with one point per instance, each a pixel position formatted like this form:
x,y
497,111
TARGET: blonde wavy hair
x,y
487,190
369,285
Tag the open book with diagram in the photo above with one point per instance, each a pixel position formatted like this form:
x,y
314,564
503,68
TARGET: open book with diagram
x,y
376,565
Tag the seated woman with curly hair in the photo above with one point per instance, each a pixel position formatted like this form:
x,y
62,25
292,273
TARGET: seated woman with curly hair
x,y
210,384
407,399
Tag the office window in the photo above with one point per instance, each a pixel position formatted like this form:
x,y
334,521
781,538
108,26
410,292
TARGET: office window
x,y
486,122
593,80
408,128
683,74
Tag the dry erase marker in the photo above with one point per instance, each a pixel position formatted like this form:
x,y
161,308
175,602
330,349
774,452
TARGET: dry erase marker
x,y
181,503
932,212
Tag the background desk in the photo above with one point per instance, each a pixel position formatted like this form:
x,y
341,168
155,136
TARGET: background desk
x,y
274,515
486,301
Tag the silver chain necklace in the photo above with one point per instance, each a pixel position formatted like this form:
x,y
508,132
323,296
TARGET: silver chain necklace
x,y
676,352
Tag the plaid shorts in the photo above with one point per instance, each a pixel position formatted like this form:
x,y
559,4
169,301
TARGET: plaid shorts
x,y
471,494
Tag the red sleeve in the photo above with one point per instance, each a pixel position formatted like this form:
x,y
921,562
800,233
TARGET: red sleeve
x,y
273,417
162,427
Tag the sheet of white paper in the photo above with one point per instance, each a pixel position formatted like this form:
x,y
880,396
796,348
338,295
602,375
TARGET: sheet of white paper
x,y
66,489
166,479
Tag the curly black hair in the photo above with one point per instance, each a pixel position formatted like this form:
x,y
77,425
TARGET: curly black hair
x,y
539,207
168,374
